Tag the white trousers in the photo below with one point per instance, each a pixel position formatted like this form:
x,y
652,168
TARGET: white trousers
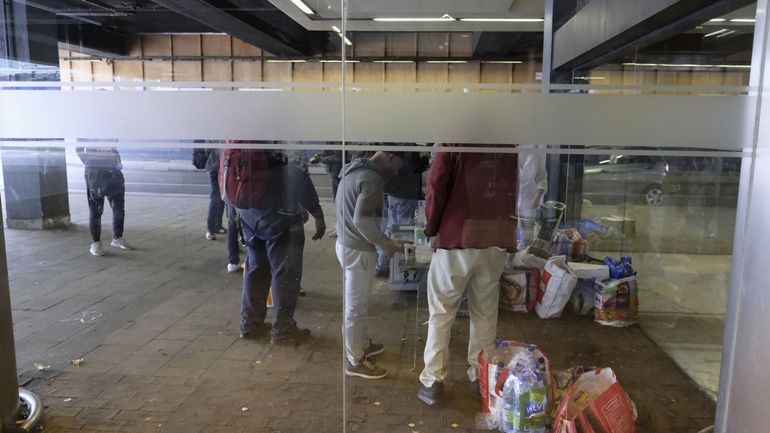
x,y
359,267
451,271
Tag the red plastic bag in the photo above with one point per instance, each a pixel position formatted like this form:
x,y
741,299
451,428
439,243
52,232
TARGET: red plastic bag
x,y
595,404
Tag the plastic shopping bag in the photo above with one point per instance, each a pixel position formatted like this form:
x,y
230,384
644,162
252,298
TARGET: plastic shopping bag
x,y
616,302
556,285
513,291
493,362
595,404
570,243
583,296
518,290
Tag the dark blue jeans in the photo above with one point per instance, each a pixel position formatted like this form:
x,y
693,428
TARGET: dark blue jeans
x,y
274,259
233,230
216,205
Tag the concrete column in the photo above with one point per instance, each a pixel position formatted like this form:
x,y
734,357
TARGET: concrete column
x,y
36,188
9,385
35,179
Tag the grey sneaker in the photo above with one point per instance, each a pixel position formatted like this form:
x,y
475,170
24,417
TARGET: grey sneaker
x,y
121,243
373,350
96,249
366,369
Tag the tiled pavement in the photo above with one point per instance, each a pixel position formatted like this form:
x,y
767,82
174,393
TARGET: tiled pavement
x,y
157,331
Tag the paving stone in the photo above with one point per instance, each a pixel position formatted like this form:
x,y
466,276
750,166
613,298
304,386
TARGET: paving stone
x,y
98,414
140,364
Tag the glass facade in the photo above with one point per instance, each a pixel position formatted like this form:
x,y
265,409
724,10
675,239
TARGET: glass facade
x,y
293,215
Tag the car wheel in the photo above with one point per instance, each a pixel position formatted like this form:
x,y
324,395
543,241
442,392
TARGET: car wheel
x,y
653,195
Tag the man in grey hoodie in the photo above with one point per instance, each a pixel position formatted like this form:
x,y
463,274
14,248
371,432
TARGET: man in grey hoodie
x,y
104,179
359,211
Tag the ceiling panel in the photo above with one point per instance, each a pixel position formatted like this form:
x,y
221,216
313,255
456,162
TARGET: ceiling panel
x,y
360,12
362,9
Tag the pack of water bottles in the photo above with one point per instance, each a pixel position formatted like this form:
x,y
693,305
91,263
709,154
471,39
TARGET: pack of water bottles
x,y
516,387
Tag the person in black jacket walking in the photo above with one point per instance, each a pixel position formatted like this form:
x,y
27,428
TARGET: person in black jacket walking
x,y
104,178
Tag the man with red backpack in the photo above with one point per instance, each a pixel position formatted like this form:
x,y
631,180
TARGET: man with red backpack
x,y
273,198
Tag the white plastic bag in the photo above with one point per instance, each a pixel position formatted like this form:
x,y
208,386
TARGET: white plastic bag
x,y
525,259
556,285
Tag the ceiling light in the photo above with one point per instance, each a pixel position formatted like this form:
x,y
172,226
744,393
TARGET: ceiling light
x,y
394,61
303,7
447,61
340,61
509,62
252,89
395,19
344,38
743,20
504,20
286,61
641,64
686,65
717,20
590,78
726,34
715,33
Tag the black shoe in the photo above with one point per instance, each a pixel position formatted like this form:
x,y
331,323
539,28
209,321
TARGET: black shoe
x,y
258,332
302,293
293,337
382,273
431,396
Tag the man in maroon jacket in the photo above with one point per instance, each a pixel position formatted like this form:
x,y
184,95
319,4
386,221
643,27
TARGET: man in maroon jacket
x,y
470,207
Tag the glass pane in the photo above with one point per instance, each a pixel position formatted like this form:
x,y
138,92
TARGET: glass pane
x,y
590,187
129,304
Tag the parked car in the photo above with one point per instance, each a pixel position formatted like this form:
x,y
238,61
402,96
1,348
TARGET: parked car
x,y
617,178
703,181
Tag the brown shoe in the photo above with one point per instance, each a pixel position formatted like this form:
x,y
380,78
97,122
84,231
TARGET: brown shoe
x,y
366,369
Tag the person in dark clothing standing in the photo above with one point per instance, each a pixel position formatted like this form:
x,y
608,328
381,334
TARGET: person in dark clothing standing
x,y
332,161
216,205
104,178
275,238
404,193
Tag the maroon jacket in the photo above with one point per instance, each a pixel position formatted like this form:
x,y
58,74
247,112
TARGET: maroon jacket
x,y
471,199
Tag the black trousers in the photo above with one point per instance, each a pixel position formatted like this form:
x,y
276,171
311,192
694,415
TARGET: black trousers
x,y
105,183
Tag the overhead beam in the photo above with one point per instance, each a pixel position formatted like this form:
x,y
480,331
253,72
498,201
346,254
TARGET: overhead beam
x,y
604,30
237,26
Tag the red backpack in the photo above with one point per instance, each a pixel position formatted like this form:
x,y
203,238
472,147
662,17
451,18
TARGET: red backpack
x,y
243,177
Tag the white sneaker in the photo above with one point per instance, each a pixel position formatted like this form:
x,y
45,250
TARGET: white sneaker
x,y
210,236
121,243
96,249
333,232
233,268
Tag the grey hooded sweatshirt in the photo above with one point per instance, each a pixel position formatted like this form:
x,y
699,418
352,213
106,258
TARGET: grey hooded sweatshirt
x,y
359,207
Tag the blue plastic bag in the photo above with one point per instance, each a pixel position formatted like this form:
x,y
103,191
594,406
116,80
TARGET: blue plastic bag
x,y
621,268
